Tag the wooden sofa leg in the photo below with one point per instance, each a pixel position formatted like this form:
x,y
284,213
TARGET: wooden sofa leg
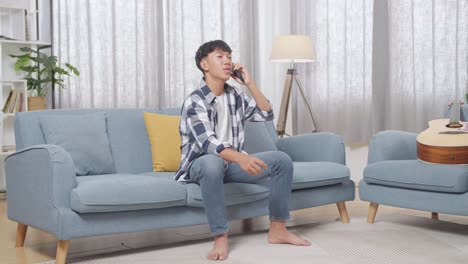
x,y
343,213
435,216
62,249
372,212
247,225
21,234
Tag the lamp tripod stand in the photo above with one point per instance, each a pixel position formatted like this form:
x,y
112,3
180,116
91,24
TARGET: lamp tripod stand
x,y
283,112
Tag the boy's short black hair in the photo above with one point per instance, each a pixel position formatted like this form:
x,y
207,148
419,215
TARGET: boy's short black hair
x,y
209,47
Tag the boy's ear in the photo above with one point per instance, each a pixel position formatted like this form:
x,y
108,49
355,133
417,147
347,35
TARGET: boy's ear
x,y
203,65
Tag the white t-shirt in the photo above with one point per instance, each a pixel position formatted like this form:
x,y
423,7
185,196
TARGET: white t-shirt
x,y
224,126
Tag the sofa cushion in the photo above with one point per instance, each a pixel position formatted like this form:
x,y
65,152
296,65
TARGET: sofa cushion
x,y
163,133
129,140
415,174
84,137
234,193
125,192
316,174
259,137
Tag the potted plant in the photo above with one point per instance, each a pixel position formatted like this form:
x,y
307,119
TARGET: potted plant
x,y
41,70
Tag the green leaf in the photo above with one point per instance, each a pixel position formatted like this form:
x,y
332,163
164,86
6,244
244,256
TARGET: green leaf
x,y
62,71
29,69
49,62
73,69
21,62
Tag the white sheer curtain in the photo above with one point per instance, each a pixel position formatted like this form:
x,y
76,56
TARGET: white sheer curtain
x,y
338,85
427,47
116,46
140,53
188,24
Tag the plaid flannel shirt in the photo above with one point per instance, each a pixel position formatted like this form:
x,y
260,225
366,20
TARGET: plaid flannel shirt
x,y
199,120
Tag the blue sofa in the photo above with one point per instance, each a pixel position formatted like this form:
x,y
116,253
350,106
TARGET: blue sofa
x,y
45,192
395,177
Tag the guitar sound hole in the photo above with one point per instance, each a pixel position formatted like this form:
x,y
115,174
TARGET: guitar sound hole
x,y
456,125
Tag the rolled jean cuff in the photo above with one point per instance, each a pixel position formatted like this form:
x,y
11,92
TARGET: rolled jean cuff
x,y
219,232
283,219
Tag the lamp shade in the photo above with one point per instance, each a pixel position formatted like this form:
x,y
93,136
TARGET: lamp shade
x,y
292,48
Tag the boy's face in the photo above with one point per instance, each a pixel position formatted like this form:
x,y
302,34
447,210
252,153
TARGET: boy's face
x,y
218,64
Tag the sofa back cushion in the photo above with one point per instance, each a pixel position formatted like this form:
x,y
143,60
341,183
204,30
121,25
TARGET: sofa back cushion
x,y
28,131
129,139
259,137
84,137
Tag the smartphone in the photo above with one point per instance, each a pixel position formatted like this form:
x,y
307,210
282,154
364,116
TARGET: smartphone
x,y
238,74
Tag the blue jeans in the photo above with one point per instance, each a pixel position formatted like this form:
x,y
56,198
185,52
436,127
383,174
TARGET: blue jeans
x,y
210,172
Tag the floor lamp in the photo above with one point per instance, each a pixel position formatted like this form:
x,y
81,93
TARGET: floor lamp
x,y
291,49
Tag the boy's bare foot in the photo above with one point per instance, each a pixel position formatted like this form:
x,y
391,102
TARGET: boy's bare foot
x,y
278,234
220,248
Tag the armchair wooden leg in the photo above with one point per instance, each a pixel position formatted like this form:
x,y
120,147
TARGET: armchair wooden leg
x,y
62,249
247,225
435,216
21,234
372,212
343,213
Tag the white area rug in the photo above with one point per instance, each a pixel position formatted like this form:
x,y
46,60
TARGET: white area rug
x,y
392,239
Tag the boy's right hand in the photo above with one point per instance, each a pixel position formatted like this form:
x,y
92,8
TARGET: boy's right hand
x,y
251,165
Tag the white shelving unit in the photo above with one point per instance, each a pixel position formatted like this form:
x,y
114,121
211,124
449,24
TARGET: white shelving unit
x,y
13,22
12,25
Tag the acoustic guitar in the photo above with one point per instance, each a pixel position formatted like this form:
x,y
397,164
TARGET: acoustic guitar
x,y
445,141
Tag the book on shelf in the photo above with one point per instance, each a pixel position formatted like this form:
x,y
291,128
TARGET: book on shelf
x,y
17,103
21,102
14,102
7,101
11,107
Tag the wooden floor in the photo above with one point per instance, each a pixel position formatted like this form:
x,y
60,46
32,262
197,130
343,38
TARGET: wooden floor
x,y
40,246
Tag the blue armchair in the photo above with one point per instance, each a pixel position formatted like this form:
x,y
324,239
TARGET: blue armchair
x,y
395,177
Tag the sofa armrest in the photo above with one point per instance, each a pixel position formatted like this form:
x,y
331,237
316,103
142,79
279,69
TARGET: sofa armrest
x,y
321,146
39,181
392,145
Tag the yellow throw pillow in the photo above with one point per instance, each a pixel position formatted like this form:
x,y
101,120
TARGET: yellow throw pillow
x,y
163,132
